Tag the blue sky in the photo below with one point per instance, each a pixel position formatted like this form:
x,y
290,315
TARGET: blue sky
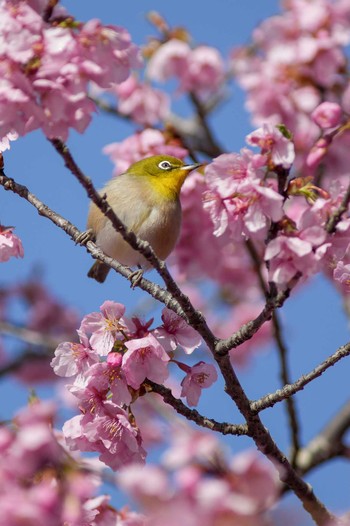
x,y
311,332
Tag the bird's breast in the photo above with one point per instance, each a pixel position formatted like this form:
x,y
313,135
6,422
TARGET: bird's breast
x,y
148,214
162,227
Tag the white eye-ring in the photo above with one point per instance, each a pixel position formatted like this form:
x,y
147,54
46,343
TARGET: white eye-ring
x,y
165,165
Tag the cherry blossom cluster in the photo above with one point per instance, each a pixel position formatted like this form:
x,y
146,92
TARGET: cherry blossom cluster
x,y
295,72
141,102
238,199
115,356
288,228
199,481
41,483
196,479
46,68
199,70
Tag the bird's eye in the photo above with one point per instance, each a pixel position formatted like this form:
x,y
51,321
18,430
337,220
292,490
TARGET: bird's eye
x,y
164,165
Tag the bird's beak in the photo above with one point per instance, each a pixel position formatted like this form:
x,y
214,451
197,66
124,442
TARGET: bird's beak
x,y
190,167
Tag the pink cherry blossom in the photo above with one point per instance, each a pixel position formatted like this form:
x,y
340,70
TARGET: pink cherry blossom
x,y
139,327
204,72
5,141
273,143
200,70
144,144
109,433
169,60
327,115
191,258
191,446
105,327
273,69
318,152
175,331
73,358
132,478
145,358
110,376
256,481
46,69
10,244
91,390
237,198
291,255
144,104
146,410
198,377
239,495
110,52
36,470
341,273
130,518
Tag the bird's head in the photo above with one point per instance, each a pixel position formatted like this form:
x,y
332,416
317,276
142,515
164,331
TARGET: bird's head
x,y
166,174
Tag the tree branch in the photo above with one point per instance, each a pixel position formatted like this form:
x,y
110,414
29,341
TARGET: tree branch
x,y
327,444
285,379
51,4
189,313
271,399
264,442
219,349
247,331
191,131
72,231
212,146
337,215
193,415
282,348
30,336
18,362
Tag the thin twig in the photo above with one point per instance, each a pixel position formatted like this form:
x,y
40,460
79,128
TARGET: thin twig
x,y
271,399
282,348
247,331
47,14
192,316
109,108
30,336
337,215
192,414
256,260
264,442
327,444
72,231
294,425
256,429
24,358
215,149
190,130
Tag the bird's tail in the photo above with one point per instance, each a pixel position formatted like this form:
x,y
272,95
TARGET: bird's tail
x,y
99,271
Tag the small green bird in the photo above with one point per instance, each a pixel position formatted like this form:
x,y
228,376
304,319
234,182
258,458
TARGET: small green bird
x,y
146,198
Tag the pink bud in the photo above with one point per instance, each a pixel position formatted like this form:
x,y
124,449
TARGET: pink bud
x,y
114,359
317,153
327,115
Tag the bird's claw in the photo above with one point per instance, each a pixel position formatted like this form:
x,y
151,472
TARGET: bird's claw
x,y
135,277
84,237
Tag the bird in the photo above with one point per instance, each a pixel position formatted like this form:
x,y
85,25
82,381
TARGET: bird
x,y
146,198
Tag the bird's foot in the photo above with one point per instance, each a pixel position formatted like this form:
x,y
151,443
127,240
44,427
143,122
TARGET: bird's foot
x,y
135,277
84,237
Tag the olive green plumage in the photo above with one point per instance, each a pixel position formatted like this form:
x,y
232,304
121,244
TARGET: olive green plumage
x,y
146,198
